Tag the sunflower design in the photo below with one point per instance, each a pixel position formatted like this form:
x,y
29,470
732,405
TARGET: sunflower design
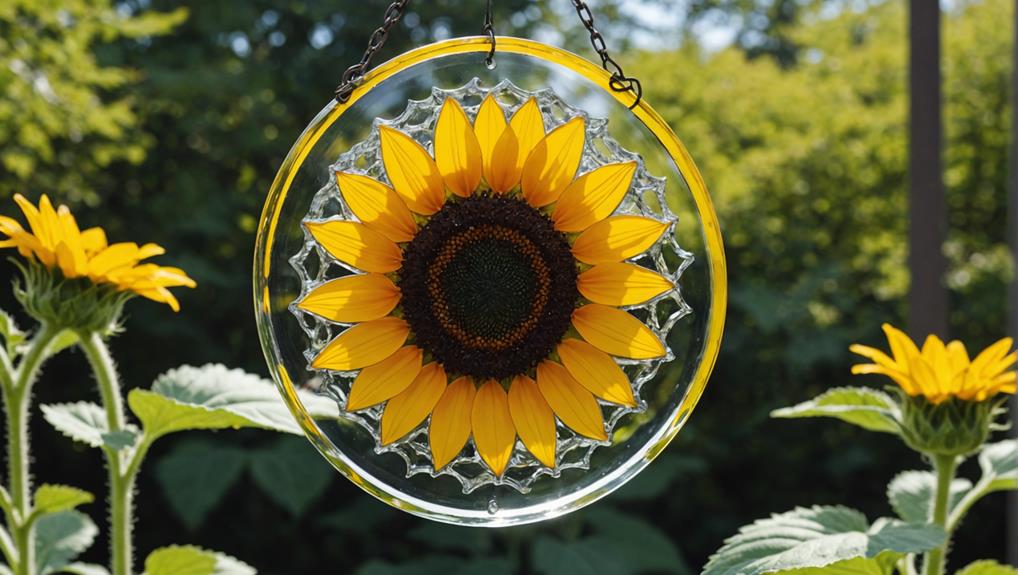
x,y
491,287
938,371
54,240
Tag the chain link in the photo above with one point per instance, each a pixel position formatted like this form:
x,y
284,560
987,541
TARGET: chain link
x,y
489,29
353,75
619,82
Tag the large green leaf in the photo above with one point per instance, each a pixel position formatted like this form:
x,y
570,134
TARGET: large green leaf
x,y
881,565
987,568
642,546
190,560
655,480
817,537
84,569
54,498
214,397
911,494
427,565
60,537
196,474
867,408
580,557
999,463
291,473
86,422
452,537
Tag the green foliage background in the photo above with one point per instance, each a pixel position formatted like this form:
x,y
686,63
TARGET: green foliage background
x,y
165,121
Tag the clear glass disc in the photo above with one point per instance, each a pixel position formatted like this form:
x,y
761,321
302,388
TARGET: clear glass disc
x,y
406,94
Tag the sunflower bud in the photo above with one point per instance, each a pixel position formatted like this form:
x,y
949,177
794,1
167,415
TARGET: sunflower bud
x,y
953,427
76,303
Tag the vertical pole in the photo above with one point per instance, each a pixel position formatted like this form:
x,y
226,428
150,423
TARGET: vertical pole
x,y
927,209
1012,234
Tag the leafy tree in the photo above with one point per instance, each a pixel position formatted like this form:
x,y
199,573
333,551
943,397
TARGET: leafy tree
x,y
64,116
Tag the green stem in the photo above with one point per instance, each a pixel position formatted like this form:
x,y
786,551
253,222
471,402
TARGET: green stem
x,y
17,398
945,466
121,484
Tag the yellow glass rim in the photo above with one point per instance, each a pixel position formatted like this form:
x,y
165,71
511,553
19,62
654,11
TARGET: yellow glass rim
x,y
476,44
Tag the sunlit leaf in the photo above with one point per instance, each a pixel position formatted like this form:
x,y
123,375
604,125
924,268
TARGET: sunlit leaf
x,y
867,408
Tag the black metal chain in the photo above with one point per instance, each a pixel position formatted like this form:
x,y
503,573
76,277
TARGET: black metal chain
x,y
619,82
353,75
489,29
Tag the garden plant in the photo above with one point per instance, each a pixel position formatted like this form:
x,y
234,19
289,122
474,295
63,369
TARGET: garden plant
x,y
944,406
75,284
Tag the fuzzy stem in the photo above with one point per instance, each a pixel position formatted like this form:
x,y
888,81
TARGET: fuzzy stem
x,y
121,484
945,467
17,398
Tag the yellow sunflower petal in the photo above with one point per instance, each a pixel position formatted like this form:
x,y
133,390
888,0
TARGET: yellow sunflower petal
x,y
617,238
358,245
592,197
505,173
621,284
596,371
874,354
552,165
528,127
616,332
450,422
533,419
958,355
413,173
363,344
114,256
353,298
49,232
488,127
31,214
94,240
378,206
902,347
983,363
457,152
386,379
407,410
160,295
570,401
494,432
70,266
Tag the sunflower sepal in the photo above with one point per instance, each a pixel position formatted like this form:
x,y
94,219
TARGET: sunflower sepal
x,y
75,304
954,427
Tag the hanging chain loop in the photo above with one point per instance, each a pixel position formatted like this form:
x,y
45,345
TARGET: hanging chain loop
x,y
354,74
489,29
619,82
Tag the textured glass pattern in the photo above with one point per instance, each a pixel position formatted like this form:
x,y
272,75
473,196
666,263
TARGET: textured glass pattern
x,y
646,197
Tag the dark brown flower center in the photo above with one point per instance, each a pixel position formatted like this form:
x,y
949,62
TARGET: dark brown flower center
x,y
489,286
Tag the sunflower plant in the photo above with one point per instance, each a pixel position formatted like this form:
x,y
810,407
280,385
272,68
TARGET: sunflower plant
x,y
945,405
74,284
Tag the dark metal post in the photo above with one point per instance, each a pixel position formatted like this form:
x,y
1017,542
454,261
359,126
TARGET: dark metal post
x,y
1012,233
927,208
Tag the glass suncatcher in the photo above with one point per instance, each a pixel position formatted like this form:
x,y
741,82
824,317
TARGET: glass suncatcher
x,y
511,283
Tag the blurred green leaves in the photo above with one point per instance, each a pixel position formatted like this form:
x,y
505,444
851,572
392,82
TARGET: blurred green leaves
x,y
196,474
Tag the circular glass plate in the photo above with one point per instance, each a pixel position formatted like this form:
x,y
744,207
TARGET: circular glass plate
x,y
407,95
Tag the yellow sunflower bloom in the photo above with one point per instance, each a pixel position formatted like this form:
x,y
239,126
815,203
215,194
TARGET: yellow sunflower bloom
x,y
54,240
940,372
493,274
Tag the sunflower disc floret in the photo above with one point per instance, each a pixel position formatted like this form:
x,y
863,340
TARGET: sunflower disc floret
x,y
489,283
